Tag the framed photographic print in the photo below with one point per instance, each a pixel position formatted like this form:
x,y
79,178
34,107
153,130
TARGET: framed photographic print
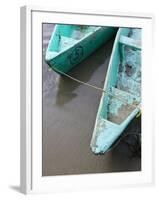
x,y
86,103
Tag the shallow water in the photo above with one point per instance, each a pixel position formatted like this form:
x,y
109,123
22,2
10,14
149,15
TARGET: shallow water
x,y
69,112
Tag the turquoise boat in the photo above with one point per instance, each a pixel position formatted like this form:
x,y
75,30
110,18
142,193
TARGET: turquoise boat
x,y
121,101
70,44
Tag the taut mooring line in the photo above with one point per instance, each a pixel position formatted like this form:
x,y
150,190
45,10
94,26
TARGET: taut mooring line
x,y
97,88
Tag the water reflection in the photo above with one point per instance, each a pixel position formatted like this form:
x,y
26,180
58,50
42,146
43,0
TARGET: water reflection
x,y
85,71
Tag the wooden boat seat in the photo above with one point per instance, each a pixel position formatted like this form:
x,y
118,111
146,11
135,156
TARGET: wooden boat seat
x,y
120,105
128,97
130,42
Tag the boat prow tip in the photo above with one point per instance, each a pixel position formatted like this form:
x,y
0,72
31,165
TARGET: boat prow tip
x,y
96,151
50,55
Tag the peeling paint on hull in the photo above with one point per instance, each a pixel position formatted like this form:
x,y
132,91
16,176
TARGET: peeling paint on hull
x,y
123,81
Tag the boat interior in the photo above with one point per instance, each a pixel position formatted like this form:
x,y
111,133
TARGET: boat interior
x,y
67,35
123,81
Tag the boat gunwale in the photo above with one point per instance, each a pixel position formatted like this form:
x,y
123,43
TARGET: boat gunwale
x,y
105,86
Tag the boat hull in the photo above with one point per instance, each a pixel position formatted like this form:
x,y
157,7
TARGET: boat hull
x,y
65,60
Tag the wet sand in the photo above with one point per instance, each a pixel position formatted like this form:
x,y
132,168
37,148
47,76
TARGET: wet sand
x,y
69,112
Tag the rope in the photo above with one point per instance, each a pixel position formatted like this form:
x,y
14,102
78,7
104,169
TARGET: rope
x,y
98,88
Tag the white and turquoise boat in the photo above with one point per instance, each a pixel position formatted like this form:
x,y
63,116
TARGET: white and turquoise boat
x,y
120,102
71,44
